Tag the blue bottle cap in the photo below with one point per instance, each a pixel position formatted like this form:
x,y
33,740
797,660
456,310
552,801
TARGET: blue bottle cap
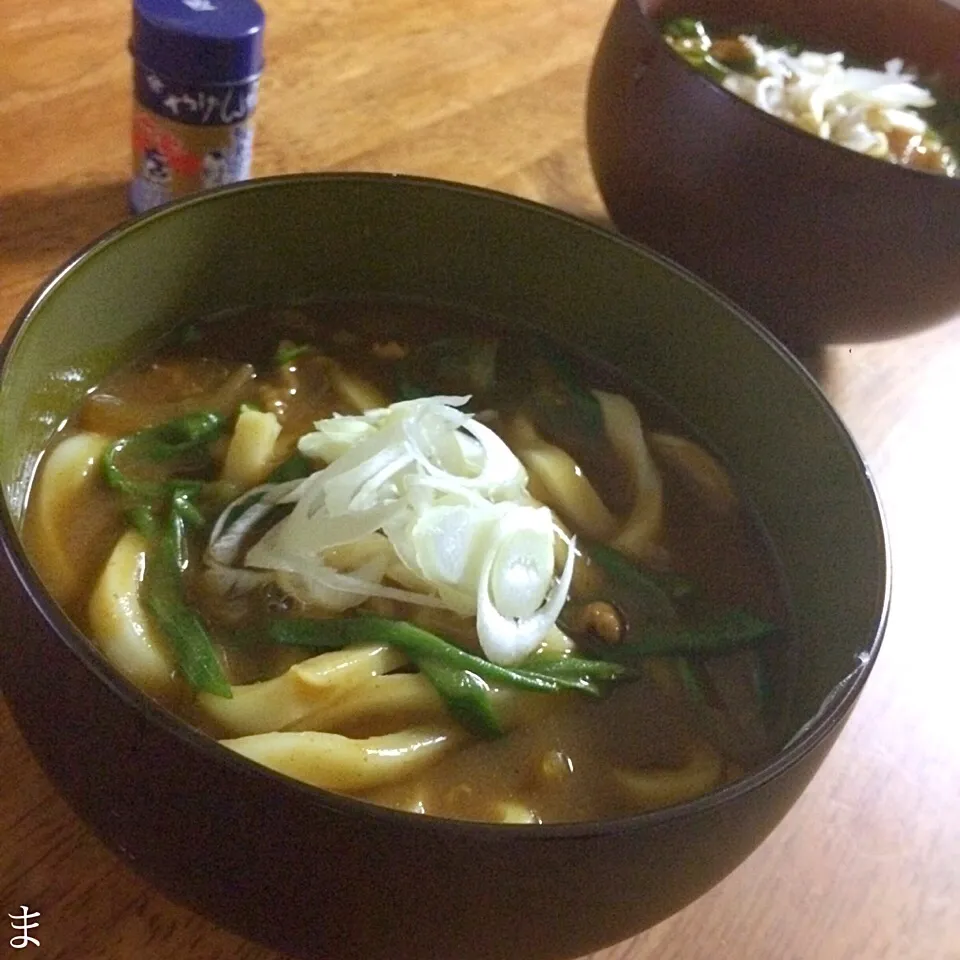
x,y
205,42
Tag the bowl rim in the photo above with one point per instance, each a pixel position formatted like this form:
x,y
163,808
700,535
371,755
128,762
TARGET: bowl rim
x,y
853,158
818,728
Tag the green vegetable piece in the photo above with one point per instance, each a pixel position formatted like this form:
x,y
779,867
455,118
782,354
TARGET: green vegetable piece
x,y
295,467
143,519
723,632
164,598
710,67
584,673
690,38
445,664
185,436
646,597
287,352
183,504
667,617
467,697
685,27
306,632
417,643
162,511
177,437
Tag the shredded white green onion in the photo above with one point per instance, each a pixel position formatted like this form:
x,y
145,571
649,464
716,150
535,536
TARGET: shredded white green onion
x,y
421,494
861,109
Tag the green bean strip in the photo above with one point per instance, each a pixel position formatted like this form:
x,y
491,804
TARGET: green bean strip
x,y
162,511
724,632
538,673
175,438
663,591
163,596
676,621
462,679
466,695
287,353
295,467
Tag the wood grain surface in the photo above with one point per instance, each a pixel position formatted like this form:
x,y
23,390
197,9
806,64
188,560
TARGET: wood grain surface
x,y
867,865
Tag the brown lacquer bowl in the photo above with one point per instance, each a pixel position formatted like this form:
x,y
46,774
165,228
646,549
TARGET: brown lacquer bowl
x,y
820,243
328,878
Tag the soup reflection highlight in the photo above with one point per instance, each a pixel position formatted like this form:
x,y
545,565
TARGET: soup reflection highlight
x,y
466,575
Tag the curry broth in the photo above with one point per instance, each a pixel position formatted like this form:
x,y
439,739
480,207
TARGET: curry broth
x,y
561,762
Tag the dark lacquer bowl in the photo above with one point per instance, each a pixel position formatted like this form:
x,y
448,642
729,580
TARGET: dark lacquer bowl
x,y
820,243
320,876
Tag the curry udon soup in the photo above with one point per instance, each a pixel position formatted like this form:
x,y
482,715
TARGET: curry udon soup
x,y
466,575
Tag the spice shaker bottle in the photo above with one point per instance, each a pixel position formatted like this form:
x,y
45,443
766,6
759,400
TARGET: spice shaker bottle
x,y
196,73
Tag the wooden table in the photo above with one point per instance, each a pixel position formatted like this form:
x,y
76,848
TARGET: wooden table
x,y
867,866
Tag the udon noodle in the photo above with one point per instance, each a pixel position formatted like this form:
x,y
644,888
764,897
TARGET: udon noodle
x,y
462,574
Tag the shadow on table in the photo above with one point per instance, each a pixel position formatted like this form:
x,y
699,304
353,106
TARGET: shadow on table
x,y
45,226
814,359
597,219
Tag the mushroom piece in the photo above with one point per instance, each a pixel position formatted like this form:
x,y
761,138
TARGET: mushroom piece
x,y
598,618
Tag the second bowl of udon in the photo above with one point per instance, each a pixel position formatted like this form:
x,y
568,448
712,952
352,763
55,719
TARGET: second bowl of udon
x,y
802,158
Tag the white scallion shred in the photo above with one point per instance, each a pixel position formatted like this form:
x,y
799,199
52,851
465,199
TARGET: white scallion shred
x,y
870,111
448,500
